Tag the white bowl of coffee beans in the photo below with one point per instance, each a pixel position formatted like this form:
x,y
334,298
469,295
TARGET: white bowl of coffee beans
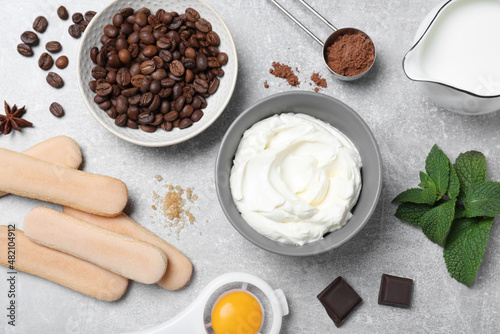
x,y
157,75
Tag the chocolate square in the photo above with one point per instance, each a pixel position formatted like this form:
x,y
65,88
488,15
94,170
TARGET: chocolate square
x,y
339,299
395,291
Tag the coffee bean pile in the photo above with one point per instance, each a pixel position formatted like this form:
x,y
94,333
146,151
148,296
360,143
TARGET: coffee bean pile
x,y
156,70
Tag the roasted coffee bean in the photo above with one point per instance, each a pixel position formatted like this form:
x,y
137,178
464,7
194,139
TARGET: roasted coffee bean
x,y
201,62
159,74
123,77
116,90
148,67
147,37
203,25
213,38
175,24
186,122
133,113
200,85
110,31
167,83
141,19
222,58
167,126
114,61
179,103
93,85
62,62
219,72
130,91
83,25
134,50
99,72
148,128
118,20
176,91
190,53
163,43
121,43
165,93
121,104
146,117
194,42
166,18
125,56
77,18
155,104
176,68
192,14
214,85
212,62
40,24
189,63
100,99
132,124
89,15
146,99
93,54
56,109
196,103
126,12
213,50
166,56
134,100
112,113
158,62
189,76
176,55
54,80
25,50
150,51
158,120
62,12
53,46
145,86
203,102
171,116
104,89
121,120
197,115
29,37
186,111
135,69
74,31
45,61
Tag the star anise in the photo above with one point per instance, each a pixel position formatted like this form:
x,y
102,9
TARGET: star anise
x,y
13,119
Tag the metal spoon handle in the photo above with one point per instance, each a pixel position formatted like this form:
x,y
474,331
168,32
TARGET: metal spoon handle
x,y
298,23
318,15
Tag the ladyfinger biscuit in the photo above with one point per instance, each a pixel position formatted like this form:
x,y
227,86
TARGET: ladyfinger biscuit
x,y
179,268
60,150
61,268
125,256
30,177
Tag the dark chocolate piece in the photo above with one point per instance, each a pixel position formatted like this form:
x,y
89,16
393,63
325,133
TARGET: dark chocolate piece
x,y
339,299
395,291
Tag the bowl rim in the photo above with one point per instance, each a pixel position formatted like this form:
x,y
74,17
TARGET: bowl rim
x,y
164,143
283,251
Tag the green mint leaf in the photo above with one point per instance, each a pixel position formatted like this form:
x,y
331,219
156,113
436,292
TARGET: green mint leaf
x,y
465,247
429,192
454,184
482,199
437,165
411,212
412,195
436,222
471,168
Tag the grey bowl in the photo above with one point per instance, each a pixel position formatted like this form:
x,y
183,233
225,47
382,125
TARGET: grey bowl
x,y
331,111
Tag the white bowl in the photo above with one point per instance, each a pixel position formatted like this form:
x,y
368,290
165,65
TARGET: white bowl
x,y
216,102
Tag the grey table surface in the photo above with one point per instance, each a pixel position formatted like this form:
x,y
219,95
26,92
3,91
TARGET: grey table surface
x,y
405,123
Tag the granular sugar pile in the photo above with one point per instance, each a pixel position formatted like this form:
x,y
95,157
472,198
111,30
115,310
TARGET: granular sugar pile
x,y
173,205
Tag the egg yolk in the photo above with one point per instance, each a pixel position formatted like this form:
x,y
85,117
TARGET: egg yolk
x,y
237,313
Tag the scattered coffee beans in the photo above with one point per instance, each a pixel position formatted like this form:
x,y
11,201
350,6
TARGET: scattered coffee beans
x,y
25,50
29,37
55,80
89,15
45,61
74,31
56,109
53,46
155,70
62,62
40,24
62,12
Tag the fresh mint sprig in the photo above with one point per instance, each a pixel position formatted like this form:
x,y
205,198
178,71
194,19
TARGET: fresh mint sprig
x,y
455,207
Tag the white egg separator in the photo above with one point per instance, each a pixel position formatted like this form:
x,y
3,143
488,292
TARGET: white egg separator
x,y
196,318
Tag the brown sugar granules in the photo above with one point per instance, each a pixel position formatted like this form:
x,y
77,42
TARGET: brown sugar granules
x,y
319,81
285,72
174,206
351,54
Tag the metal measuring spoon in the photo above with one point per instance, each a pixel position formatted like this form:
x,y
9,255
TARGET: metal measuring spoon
x,y
337,33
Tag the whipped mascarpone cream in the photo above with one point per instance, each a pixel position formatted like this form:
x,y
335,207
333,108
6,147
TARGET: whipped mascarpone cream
x,y
295,178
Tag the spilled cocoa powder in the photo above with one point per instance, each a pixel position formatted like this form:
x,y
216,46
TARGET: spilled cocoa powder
x,y
319,81
351,54
285,72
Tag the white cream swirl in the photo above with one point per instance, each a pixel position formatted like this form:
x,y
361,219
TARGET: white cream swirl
x,y
295,178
